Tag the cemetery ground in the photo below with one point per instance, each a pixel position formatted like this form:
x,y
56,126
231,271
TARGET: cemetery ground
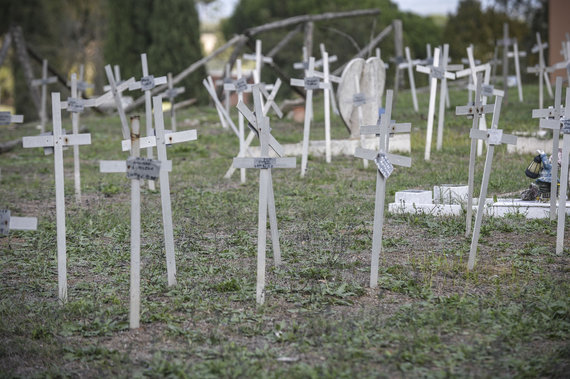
x,y
429,316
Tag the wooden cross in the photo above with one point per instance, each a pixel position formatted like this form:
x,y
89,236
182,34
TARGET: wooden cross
x,y
516,54
6,118
563,175
435,72
115,90
550,118
146,84
260,124
117,77
565,64
259,60
43,82
82,85
331,78
540,69
161,141
58,141
384,162
310,83
171,93
505,42
8,222
409,64
493,136
466,61
475,111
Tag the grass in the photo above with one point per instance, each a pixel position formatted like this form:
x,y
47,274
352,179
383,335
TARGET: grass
x,y
429,316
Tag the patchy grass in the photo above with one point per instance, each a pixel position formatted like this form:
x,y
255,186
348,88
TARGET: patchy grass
x,y
429,316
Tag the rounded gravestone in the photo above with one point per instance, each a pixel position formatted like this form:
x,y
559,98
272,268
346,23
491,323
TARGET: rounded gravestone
x,y
371,77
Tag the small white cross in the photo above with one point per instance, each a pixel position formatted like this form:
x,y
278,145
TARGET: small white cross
x,y
171,93
43,82
115,91
540,69
409,64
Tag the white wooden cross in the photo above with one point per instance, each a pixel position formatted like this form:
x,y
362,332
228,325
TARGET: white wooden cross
x,y
563,175
43,82
8,222
493,136
409,64
58,141
515,54
117,76
505,42
6,118
115,90
565,64
260,124
82,85
550,118
466,61
171,93
146,84
259,60
384,162
310,83
475,111
331,78
161,141
540,69
435,72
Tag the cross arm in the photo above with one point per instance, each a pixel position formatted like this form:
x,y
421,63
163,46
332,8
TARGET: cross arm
x,y
287,162
470,110
170,138
23,223
549,124
155,82
393,128
548,112
398,160
7,118
486,135
39,82
252,123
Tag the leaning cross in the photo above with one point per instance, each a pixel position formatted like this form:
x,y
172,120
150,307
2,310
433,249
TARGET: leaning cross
x,y
409,64
540,69
57,141
550,118
146,84
43,82
7,223
493,136
171,93
115,90
385,161
475,111
260,124
435,72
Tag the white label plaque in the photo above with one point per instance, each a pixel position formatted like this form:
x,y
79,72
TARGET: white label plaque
x,y
143,168
358,99
566,126
487,90
311,83
495,136
5,118
147,82
75,105
264,162
384,165
4,222
241,85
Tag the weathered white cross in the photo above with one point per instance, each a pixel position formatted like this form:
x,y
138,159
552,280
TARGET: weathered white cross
x,y
435,72
43,82
475,111
115,90
466,61
117,76
260,124
58,140
494,137
259,60
171,93
146,84
515,54
385,163
565,64
310,83
409,64
550,118
540,69
8,222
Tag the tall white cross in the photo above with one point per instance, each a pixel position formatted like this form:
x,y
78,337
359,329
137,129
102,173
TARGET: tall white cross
x,y
259,60
310,83
475,111
58,140
409,64
9,222
146,84
171,93
515,54
540,69
494,137
384,161
43,82
115,90
435,72
550,118
260,124
563,175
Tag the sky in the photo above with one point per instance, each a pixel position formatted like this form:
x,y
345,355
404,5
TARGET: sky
x,y
224,8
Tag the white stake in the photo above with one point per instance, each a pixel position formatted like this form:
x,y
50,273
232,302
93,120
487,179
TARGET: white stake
x,y
135,289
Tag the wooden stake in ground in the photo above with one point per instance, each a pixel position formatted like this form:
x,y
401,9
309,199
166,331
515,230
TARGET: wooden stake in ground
x,y
8,222
146,84
563,175
310,83
260,125
43,82
409,64
540,69
494,137
384,161
171,93
435,72
475,111
57,141
551,119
